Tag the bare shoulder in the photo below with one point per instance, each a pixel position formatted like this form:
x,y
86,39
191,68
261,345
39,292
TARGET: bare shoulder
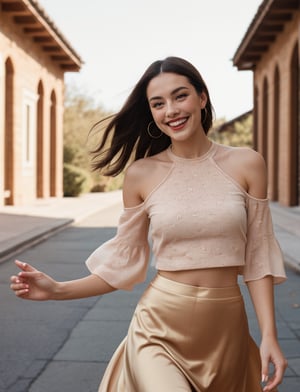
x,y
139,178
142,168
138,169
249,166
248,158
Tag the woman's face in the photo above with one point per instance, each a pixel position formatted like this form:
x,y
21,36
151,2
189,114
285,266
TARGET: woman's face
x,y
175,105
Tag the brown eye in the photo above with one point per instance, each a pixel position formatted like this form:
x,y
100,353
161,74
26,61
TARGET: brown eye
x,y
157,105
181,96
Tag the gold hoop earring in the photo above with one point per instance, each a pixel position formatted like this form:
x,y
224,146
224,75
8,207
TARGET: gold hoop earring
x,y
151,134
205,115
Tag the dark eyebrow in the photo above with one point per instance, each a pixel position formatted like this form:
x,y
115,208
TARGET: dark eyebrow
x,y
172,92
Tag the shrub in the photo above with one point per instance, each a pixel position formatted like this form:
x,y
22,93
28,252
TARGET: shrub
x,y
115,183
76,180
98,188
107,184
69,154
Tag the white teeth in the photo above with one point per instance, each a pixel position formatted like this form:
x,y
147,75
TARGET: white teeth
x,y
178,122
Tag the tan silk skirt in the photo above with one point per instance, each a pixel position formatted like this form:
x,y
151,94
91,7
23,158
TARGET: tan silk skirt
x,y
186,338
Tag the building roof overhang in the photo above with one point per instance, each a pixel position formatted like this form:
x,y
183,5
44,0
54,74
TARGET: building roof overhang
x,y
269,21
35,23
229,125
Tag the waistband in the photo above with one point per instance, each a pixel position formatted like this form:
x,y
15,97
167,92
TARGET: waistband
x,y
169,285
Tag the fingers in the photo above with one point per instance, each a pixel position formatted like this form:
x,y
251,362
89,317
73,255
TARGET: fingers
x,y
30,275
24,266
19,287
271,386
264,370
28,272
271,354
20,283
277,377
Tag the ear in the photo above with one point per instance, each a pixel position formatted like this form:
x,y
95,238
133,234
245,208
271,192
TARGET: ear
x,y
202,100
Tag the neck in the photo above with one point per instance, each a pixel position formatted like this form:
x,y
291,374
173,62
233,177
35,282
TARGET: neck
x,y
191,151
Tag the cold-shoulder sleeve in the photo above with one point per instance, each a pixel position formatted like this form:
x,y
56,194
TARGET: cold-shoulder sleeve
x,y
263,254
122,261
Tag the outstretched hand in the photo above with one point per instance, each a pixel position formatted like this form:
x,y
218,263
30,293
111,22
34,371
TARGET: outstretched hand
x,y
32,284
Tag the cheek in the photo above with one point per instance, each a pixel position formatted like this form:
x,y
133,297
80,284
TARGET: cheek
x,y
157,115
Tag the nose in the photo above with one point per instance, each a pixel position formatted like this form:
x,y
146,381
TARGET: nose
x,y
171,109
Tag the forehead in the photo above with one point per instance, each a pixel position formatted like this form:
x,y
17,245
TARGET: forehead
x,y
166,82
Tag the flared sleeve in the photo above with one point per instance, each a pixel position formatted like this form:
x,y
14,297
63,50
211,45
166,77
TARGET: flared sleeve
x,y
263,254
123,261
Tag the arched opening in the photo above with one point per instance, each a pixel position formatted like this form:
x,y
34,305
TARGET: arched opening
x,y
40,143
53,152
275,166
9,134
265,122
294,126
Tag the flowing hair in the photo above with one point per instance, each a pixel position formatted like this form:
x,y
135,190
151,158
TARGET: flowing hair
x,y
125,138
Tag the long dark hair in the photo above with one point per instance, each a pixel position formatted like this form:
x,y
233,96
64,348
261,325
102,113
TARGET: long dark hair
x,y
126,133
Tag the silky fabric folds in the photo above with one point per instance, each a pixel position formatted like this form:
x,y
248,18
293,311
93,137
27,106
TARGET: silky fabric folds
x,y
200,218
184,338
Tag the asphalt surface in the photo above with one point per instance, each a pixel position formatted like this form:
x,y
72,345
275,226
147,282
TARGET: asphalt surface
x,y
66,345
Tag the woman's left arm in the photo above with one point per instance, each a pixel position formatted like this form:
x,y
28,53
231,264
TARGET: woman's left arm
x,y
262,295
261,290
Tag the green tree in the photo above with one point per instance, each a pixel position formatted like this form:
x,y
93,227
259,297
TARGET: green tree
x,y
80,114
234,133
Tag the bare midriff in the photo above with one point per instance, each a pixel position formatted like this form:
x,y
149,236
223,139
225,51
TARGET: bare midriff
x,y
208,277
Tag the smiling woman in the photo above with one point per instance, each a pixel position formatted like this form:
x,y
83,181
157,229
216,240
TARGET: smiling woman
x,y
210,221
151,99
176,110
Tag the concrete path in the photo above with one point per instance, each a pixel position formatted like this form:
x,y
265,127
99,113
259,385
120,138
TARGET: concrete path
x,y
25,226
65,346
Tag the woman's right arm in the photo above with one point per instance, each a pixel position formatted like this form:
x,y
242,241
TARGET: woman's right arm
x,y
36,285
33,284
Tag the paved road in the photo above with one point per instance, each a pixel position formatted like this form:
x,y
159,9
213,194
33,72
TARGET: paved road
x,y
33,333
65,346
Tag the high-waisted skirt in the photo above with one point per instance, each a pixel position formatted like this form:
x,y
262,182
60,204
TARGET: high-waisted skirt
x,y
186,338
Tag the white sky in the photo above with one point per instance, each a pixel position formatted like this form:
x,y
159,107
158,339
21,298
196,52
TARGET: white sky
x,y
118,39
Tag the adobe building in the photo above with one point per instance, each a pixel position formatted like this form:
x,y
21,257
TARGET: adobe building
x,y
270,48
34,56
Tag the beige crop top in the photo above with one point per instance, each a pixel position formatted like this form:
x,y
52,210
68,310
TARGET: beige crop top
x,y
200,218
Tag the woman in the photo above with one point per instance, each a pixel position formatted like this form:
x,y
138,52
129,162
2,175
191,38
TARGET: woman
x,y
210,221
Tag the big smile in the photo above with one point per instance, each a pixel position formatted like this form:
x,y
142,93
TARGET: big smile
x,y
178,124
